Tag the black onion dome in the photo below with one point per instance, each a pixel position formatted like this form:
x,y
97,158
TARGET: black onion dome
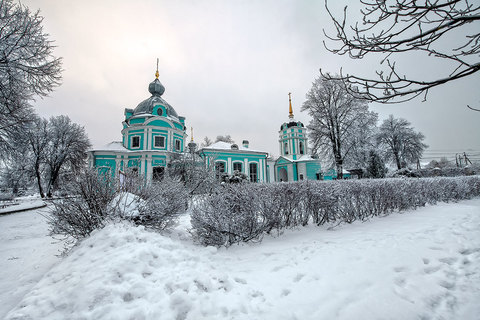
x,y
291,124
146,106
156,87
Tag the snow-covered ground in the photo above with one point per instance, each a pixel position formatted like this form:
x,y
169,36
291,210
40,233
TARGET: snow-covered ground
x,y
423,264
26,254
26,203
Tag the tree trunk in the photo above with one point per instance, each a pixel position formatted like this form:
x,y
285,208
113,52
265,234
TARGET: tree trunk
x,y
39,180
339,164
51,182
397,160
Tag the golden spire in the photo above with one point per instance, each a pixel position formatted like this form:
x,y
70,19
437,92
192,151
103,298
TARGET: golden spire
x,y
290,109
156,73
191,130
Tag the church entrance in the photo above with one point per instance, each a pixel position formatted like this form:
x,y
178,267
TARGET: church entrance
x,y
158,173
282,175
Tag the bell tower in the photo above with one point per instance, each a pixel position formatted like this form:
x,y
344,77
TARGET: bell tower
x,y
292,136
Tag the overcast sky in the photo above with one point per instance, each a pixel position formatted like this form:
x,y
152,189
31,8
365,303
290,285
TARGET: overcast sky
x,y
227,66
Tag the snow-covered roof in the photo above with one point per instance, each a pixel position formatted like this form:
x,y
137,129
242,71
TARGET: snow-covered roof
x,y
304,158
221,145
112,146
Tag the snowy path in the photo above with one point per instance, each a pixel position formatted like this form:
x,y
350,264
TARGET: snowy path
x,y
417,265
26,253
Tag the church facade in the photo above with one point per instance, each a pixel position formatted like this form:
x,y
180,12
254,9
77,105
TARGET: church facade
x,y
154,134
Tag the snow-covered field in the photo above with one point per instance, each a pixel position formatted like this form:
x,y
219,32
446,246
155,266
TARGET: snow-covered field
x,y
26,254
422,264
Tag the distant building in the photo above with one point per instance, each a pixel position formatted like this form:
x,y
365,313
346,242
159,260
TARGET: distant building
x,y
230,157
294,163
154,136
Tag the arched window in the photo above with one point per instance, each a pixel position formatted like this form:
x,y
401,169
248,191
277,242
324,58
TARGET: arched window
x,y
253,172
285,148
237,166
219,169
301,148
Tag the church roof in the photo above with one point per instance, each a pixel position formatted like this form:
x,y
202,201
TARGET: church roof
x,y
112,146
156,88
303,158
220,145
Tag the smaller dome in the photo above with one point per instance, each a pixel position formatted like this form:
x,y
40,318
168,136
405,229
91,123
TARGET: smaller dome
x,y
156,88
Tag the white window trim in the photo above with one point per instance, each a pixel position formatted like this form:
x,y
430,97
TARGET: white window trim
x,y
241,163
179,149
131,141
258,169
224,168
164,141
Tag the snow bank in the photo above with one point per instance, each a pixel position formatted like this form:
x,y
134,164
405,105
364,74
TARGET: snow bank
x,y
424,265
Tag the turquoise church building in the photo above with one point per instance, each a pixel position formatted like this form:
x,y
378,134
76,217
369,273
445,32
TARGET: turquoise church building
x,y
294,162
154,134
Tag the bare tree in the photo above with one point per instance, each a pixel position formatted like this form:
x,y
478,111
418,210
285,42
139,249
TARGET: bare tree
x,y
37,138
394,27
225,138
15,169
206,142
67,148
338,120
27,68
400,141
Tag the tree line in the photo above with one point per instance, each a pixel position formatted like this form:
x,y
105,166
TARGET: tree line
x,y
344,131
32,148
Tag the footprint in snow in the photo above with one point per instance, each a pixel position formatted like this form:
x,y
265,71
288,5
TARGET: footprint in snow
x,y
447,285
400,281
240,280
400,269
449,260
298,277
430,270
468,251
285,292
278,268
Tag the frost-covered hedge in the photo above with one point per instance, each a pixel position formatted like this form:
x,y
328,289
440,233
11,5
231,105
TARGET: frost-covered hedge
x,y
96,200
245,212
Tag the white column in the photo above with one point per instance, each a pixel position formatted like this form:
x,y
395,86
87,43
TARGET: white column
x,y
261,170
229,166
145,138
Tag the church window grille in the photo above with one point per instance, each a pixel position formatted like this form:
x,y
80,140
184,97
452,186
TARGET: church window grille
x,y
219,169
159,142
237,166
135,142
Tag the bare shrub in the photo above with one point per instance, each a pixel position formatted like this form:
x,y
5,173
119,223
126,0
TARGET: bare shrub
x,y
95,200
228,216
86,209
244,212
163,202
